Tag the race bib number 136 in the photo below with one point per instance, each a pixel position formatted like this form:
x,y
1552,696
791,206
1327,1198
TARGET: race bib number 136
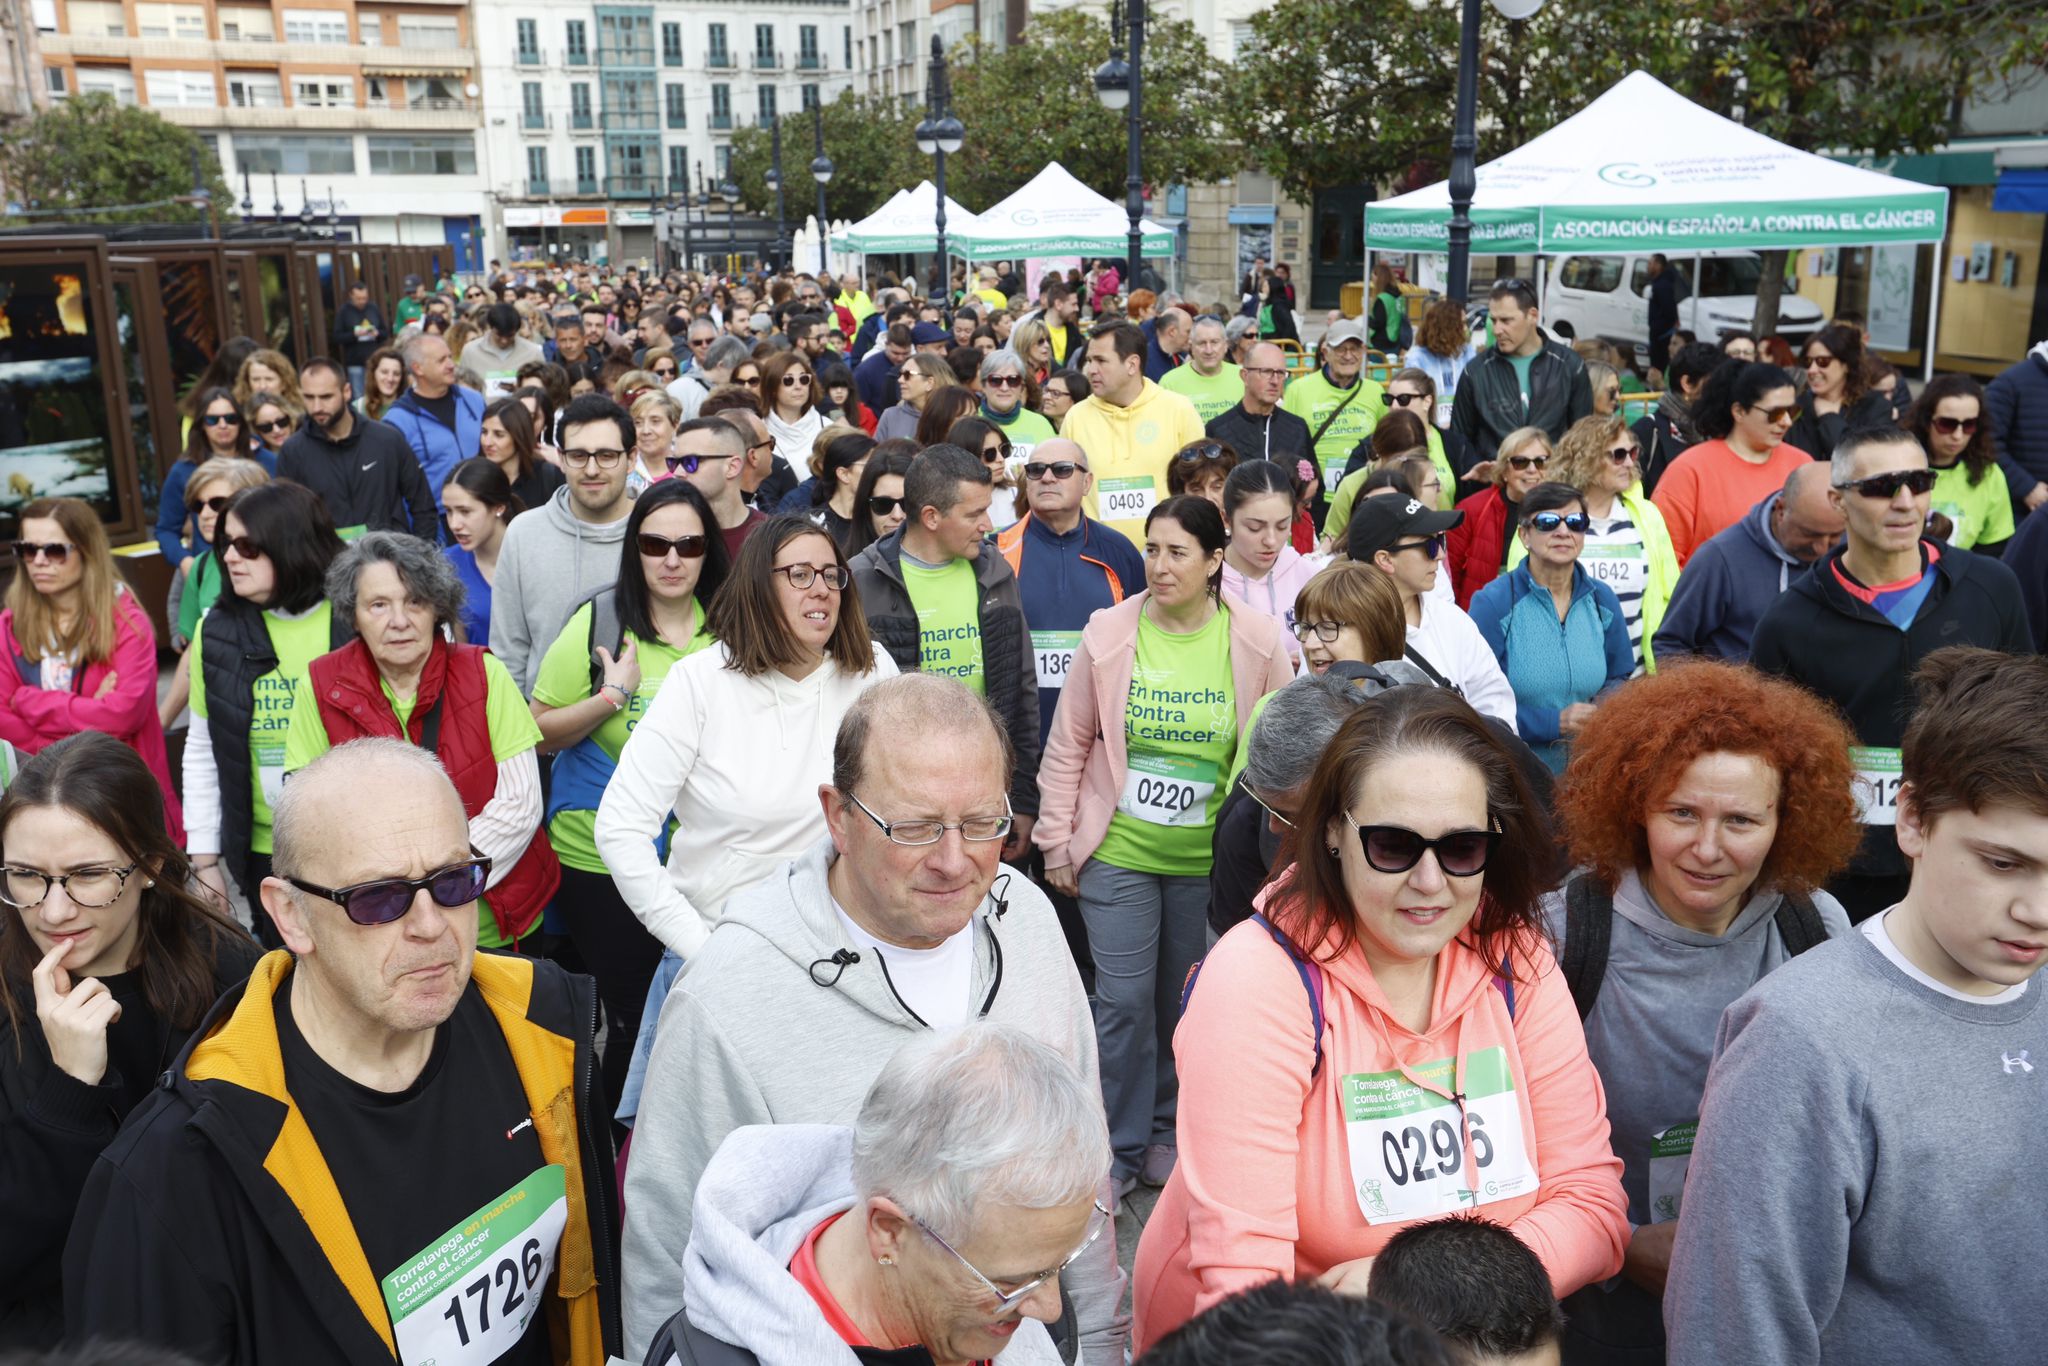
x,y
468,1297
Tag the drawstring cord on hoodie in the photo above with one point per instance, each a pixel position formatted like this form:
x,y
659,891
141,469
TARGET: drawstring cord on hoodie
x,y
845,958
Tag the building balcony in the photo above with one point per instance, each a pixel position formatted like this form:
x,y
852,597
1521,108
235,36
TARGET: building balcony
x,y
767,61
678,119
632,186
314,118
531,59
636,58
576,56
377,56
719,61
582,121
582,188
535,122
630,120
721,123
810,61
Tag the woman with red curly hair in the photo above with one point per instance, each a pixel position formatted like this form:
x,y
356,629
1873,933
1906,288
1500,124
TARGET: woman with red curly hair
x,y
1706,809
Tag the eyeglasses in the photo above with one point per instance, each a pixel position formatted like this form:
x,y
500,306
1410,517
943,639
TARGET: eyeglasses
x,y
1887,486
1432,546
1325,631
245,548
1057,469
699,343
1949,426
1395,849
1006,1300
1268,807
605,459
55,551
683,464
1784,413
1263,371
833,576
979,829
276,424
881,504
222,420
217,504
1405,399
90,888
1202,450
1574,522
1528,462
1621,455
387,899
799,380
686,547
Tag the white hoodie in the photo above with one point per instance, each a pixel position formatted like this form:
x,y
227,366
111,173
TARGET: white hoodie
x,y
1452,644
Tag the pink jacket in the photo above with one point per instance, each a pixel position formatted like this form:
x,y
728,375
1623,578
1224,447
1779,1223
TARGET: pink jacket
x,y
1274,595
1264,1185
32,719
1081,773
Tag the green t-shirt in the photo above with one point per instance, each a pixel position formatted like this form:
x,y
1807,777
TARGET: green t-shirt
x,y
564,680
1180,727
948,603
298,641
1025,429
1212,394
512,728
202,590
1522,365
1313,399
1982,512
1344,498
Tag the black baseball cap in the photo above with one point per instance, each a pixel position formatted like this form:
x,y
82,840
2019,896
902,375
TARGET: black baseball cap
x,y
1377,523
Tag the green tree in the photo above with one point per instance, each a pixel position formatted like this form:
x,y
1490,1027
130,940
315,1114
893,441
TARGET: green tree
x,y
868,139
89,151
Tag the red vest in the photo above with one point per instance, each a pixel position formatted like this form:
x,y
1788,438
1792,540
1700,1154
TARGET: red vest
x,y
350,694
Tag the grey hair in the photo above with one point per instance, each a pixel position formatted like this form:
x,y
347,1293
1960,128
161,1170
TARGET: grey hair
x,y
1295,728
1234,330
293,832
726,353
1001,362
978,1116
1206,320
1842,464
409,349
929,705
425,572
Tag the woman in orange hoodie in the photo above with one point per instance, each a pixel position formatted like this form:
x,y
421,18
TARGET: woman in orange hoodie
x,y
1394,1045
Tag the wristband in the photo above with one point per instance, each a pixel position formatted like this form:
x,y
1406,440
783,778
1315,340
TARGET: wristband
x,y
624,696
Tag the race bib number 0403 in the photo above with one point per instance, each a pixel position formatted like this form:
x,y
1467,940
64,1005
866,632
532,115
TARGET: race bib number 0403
x,y
1126,500
468,1297
1413,1156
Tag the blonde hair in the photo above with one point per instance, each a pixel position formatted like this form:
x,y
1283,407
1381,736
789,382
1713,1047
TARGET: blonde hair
x,y
90,637
657,401
287,387
1581,456
235,471
1512,445
832,432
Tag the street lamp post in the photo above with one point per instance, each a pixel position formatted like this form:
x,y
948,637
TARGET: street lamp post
x,y
1465,142
248,204
730,192
1121,86
775,184
276,200
821,171
938,134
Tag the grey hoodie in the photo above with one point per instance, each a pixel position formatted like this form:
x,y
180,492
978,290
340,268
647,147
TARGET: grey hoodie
x,y
779,1021
548,564
767,1187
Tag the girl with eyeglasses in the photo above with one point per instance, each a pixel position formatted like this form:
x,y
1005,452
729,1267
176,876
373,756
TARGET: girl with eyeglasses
x,y
790,387
1477,549
1969,488
77,651
1743,414
218,430
1557,631
271,421
1390,1042
1837,398
596,683
108,964
878,502
1060,391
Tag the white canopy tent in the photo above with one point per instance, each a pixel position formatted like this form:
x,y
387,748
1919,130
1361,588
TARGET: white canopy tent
x,y
906,223
1685,180
1056,215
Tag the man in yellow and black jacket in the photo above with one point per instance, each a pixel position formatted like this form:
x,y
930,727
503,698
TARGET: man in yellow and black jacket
x,y
382,1147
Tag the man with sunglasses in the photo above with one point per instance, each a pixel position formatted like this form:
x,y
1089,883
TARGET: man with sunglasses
x,y
364,471
1525,379
1856,626
1208,380
712,360
711,452
766,479
902,920
1732,580
384,1145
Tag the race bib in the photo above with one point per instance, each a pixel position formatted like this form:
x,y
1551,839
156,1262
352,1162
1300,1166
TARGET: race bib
x,y
270,771
1410,1156
1126,500
1333,473
1167,789
467,1298
1876,788
1670,1156
1055,653
1623,568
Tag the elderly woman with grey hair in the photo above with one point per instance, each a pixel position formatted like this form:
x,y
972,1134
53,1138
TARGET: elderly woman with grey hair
x,y
935,1228
403,678
1007,393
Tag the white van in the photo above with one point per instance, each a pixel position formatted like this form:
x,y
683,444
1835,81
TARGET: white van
x,y
1608,297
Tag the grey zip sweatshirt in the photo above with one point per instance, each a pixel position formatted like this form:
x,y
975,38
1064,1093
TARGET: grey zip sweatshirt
x,y
548,564
1864,1188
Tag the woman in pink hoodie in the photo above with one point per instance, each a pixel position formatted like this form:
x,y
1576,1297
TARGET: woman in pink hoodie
x,y
1261,567
1449,1073
76,650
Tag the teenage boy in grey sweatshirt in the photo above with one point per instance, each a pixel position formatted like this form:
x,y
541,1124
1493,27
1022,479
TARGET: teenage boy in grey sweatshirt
x,y
556,556
1865,1187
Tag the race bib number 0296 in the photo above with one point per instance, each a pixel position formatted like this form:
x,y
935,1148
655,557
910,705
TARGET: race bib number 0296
x,y
468,1297
1413,1156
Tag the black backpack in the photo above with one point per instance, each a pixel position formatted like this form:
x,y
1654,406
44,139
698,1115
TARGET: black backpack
x,y
605,629
1589,929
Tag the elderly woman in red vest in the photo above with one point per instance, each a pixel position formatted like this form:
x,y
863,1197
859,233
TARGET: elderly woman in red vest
x,y
401,678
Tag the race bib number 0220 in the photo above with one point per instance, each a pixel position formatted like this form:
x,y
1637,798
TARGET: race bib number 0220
x,y
468,1297
1413,1156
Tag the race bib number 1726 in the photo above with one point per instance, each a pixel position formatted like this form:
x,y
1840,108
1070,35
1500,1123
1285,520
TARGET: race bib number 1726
x,y
468,1297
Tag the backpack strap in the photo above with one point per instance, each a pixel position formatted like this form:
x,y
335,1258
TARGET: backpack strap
x,y
1504,983
1310,972
1588,929
1415,657
1799,923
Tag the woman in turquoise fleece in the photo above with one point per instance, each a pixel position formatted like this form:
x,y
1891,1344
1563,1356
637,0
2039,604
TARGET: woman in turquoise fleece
x,y
1558,633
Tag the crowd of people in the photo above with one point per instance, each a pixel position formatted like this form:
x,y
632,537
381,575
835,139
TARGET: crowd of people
x,y
741,820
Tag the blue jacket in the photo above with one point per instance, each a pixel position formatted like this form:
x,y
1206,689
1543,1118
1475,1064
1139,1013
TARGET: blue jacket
x,y
171,513
874,379
1550,663
1158,360
1065,579
2017,404
1728,585
439,450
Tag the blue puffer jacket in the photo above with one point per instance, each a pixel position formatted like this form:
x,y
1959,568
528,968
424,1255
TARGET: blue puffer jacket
x,y
1550,663
438,449
2017,404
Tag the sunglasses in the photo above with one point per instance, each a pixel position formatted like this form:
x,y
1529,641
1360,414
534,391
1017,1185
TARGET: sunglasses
x,y
1404,399
1528,462
245,548
1949,426
665,371
1394,849
1004,381
1887,486
909,375
217,504
1782,414
1820,362
222,420
1057,469
684,464
1432,546
1621,455
56,552
995,453
387,899
882,505
1203,450
1574,522
796,381
746,379
280,424
686,547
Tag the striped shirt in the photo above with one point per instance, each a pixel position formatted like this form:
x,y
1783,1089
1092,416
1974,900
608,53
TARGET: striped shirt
x,y
1614,555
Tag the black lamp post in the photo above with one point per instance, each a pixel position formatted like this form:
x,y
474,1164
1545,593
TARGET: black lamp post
x,y
333,214
305,208
821,171
775,184
938,134
276,200
1465,142
654,217
248,204
1121,86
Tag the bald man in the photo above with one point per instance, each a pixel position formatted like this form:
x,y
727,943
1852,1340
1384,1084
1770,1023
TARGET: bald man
x,y
1737,573
1166,343
379,1120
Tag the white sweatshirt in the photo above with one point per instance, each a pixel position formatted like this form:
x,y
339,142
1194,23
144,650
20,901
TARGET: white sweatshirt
x,y
739,761
1454,648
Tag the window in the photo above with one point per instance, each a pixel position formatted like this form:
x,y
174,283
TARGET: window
x,y
629,102
810,97
326,26
719,55
53,81
536,170
673,98
671,44
1244,40
245,25
807,47
721,107
433,92
95,19
586,170
180,87
764,45
1594,274
429,30
170,21
258,153
419,155
117,81
724,153
625,40
579,105
678,170
254,90
765,96
43,14
324,92
529,42
578,35
532,113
